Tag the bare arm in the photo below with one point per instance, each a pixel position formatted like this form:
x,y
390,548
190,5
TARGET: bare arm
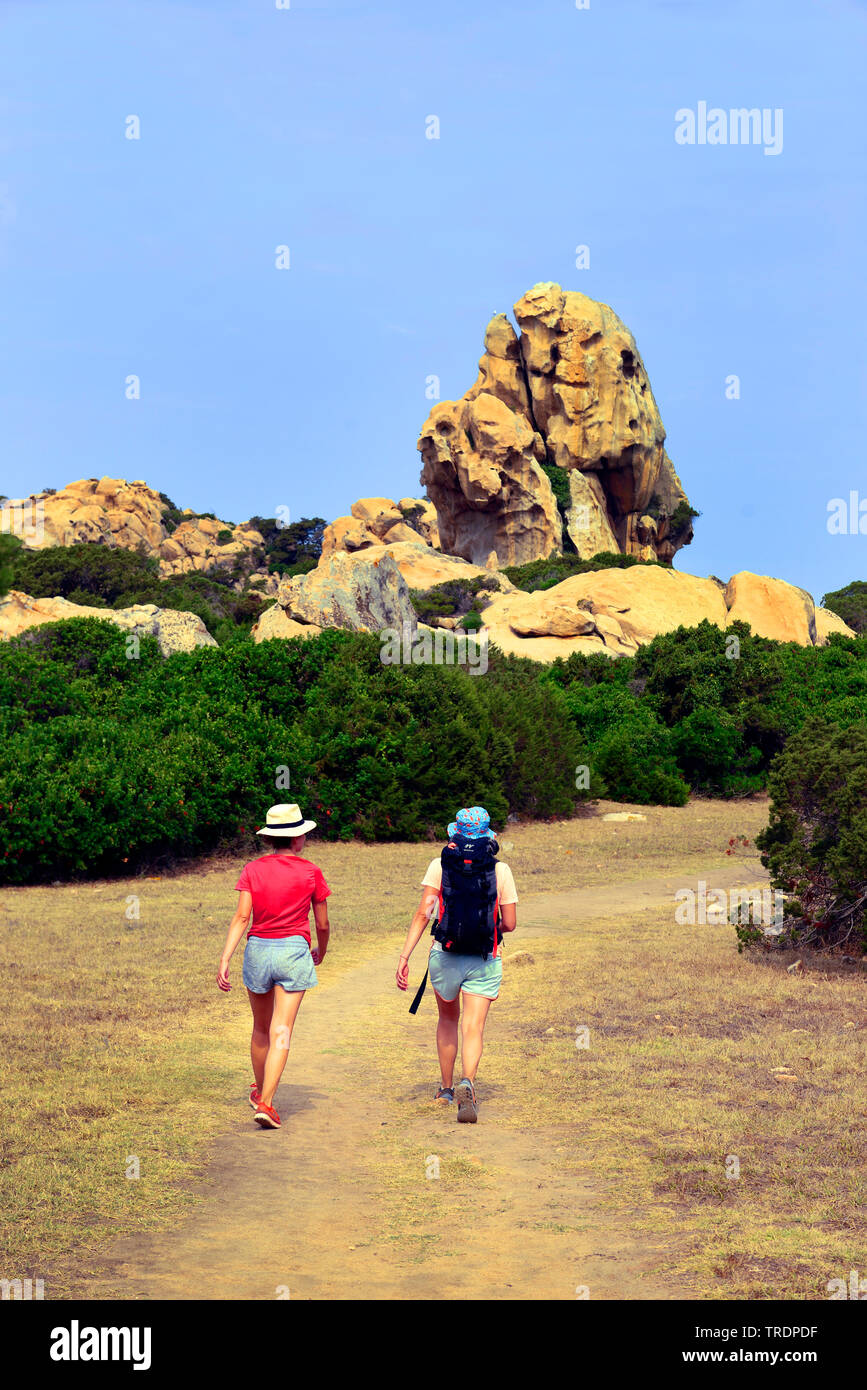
x,y
323,930
237,927
416,929
508,916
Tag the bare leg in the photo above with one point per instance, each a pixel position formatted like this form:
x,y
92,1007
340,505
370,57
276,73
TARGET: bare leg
x,y
263,1007
472,1032
447,1036
286,1008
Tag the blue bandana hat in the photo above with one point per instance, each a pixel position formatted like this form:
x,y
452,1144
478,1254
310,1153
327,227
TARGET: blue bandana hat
x,y
473,823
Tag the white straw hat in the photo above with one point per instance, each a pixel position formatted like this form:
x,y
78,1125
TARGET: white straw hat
x,y
286,820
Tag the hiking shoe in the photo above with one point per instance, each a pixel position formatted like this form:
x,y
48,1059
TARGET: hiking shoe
x,y
445,1095
466,1098
255,1095
266,1116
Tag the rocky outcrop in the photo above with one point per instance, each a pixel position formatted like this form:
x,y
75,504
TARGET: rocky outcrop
x,y
772,608
615,611
174,631
828,623
132,516
275,622
374,520
568,400
345,592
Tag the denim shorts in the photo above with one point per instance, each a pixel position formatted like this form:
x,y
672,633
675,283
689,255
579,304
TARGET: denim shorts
x,y
278,960
450,973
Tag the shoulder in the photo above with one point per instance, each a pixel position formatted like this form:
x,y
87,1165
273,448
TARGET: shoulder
x,y
433,874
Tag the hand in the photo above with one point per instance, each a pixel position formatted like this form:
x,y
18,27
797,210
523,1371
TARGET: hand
x,y
318,954
402,972
223,977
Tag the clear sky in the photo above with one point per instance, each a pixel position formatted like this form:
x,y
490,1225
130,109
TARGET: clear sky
x,y
305,127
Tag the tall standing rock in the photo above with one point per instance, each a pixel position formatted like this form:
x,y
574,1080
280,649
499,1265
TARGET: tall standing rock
x,y
569,404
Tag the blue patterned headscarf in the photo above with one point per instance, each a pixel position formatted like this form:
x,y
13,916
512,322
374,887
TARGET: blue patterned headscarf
x,y
473,822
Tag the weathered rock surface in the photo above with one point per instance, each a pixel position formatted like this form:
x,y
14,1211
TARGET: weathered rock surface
x,y
616,611
422,567
828,622
174,631
275,622
772,608
113,512
344,592
373,520
572,392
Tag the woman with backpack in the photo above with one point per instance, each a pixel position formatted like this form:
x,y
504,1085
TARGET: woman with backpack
x,y
279,967
470,899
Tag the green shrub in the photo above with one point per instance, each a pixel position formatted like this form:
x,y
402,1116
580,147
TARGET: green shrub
x,y
815,844
111,764
9,548
544,574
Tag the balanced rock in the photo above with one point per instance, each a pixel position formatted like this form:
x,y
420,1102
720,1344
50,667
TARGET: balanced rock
x,y
174,631
571,394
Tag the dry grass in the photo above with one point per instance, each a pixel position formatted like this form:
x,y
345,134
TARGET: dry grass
x,y
115,1042
679,1079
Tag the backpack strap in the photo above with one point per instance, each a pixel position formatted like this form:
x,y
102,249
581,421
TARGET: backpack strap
x,y
413,1008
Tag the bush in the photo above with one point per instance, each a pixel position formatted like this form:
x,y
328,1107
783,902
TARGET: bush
x,y
544,574
103,576
374,751
815,844
850,604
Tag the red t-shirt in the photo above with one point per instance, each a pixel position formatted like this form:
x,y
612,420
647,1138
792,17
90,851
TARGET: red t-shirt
x,y
283,887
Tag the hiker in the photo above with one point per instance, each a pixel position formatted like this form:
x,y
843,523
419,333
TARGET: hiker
x,y
279,966
470,899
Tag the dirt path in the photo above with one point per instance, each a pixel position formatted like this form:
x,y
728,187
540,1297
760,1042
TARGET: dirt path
x,y
297,1212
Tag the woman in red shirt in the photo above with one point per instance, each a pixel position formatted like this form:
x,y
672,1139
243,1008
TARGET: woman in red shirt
x,y
278,888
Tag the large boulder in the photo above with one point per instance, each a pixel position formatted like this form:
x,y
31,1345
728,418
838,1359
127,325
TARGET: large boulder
x,y
174,631
772,608
423,567
275,622
612,611
617,610
828,623
571,393
349,591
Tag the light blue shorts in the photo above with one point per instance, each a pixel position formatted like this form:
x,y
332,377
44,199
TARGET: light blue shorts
x,y
278,960
450,973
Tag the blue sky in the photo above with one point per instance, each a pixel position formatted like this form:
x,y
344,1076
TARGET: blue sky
x,y
306,127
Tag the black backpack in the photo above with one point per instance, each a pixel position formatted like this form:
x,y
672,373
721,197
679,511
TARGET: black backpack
x,y
469,921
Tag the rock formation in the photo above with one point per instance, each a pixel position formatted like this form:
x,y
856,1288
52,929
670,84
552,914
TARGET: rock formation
x,y
617,610
113,512
174,631
343,592
374,520
567,403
